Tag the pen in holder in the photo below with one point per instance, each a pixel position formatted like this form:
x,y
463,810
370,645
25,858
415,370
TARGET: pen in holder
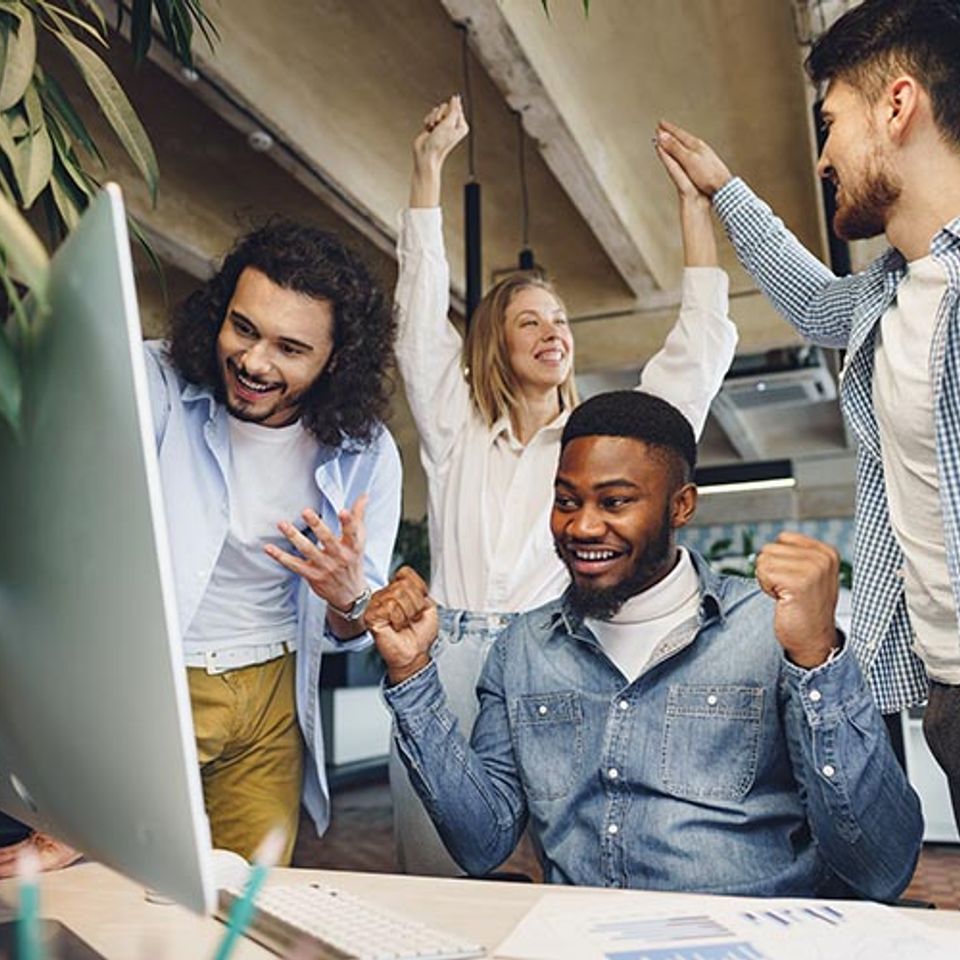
x,y
242,910
28,925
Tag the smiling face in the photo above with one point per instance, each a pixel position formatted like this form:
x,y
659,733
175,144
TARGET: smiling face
x,y
538,339
273,345
616,504
853,159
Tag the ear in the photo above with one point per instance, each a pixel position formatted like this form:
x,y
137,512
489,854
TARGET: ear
x,y
901,103
683,506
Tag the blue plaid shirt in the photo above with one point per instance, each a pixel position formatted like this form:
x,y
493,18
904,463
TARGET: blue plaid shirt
x,y
845,313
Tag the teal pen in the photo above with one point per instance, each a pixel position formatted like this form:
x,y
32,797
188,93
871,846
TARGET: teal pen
x,y
242,910
28,927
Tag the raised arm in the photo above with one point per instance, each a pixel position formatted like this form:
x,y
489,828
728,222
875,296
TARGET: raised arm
x,y
472,792
689,369
805,292
863,814
428,345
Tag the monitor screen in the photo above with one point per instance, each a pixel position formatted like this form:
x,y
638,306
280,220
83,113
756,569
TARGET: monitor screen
x,y
96,738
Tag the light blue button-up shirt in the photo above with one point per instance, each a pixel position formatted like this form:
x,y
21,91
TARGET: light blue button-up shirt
x,y
722,768
193,446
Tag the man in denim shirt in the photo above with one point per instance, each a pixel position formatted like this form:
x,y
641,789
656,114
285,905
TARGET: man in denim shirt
x,y
739,753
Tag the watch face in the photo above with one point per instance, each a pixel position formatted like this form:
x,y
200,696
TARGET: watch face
x,y
359,605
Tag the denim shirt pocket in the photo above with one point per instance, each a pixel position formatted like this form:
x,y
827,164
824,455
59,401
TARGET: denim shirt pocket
x,y
548,741
711,740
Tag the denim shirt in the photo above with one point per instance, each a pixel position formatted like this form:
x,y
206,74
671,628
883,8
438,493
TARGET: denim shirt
x,y
193,446
722,768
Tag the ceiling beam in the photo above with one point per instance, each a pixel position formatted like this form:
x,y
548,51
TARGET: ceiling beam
x,y
498,49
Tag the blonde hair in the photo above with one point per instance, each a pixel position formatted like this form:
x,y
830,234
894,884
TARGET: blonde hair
x,y
493,385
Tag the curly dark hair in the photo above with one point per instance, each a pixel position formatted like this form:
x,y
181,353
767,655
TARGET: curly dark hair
x,y
349,399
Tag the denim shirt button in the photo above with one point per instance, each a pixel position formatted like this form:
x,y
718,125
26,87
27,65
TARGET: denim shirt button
x,y
542,709
613,773
613,829
828,770
623,704
712,700
815,696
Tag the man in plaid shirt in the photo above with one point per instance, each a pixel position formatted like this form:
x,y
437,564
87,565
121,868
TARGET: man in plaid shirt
x,y
892,118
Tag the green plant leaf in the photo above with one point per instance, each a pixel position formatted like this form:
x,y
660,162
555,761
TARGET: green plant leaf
x,y
33,108
117,109
719,548
56,102
137,231
95,11
19,57
9,148
26,257
67,159
63,198
11,391
61,17
141,29
16,121
35,165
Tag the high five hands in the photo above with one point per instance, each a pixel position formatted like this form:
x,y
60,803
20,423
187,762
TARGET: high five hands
x,y
403,621
690,161
802,575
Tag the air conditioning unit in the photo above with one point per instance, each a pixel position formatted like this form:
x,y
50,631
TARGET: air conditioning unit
x,y
781,388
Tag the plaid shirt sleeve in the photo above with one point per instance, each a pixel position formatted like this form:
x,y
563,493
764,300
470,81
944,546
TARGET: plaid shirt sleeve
x,y
816,302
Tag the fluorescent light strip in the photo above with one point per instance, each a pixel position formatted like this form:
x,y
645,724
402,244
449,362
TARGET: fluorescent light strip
x,y
748,485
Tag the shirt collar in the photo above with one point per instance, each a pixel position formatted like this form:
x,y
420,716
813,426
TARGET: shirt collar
x,y
719,594
504,428
945,241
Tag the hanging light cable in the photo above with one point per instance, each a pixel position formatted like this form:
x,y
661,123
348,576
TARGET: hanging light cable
x,y
471,194
526,260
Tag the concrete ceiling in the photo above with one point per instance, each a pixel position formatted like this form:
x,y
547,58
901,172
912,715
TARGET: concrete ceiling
x,y
341,86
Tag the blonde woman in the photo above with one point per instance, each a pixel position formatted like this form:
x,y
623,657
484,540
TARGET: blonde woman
x,y
490,412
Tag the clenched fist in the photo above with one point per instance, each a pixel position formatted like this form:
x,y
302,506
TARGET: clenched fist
x,y
403,621
802,575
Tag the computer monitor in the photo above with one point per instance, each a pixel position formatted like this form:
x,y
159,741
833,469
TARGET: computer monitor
x,y
96,739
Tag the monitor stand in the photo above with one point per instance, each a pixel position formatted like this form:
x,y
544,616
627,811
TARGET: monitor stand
x,y
58,941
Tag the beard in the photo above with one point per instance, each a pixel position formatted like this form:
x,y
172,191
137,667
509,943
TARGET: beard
x,y
244,410
604,603
866,207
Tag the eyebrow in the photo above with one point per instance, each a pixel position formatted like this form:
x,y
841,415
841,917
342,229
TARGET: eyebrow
x,y
604,485
559,311
237,314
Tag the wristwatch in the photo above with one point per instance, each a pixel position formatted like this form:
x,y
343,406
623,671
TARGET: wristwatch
x,y
356,609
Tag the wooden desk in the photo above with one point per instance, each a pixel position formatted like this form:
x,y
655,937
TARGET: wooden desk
x,y
112,915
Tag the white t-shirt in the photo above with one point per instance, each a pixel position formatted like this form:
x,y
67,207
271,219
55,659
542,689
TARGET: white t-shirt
x,y
250,597
904,403
644,620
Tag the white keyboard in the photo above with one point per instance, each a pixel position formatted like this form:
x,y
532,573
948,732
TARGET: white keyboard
x,y
317,921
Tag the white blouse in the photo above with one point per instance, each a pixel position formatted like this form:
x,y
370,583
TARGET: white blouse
x,y
489,497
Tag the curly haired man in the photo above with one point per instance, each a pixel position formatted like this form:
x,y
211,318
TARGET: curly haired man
x,y
282,494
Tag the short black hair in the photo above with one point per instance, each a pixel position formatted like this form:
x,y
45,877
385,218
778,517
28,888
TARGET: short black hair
x,y
868,43
640,416
351,396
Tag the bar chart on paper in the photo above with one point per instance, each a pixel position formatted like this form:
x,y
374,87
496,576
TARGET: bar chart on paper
x,y
669,938
664,927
